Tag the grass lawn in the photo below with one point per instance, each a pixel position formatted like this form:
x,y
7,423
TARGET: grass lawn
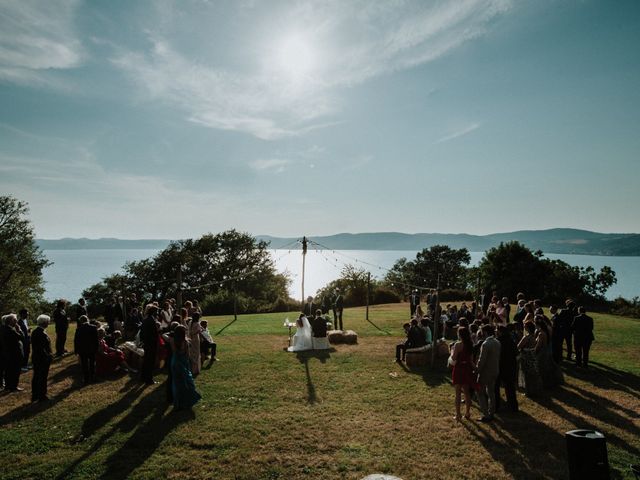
x,y
346,413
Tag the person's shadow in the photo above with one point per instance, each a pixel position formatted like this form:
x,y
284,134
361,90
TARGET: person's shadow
x,y
304,357
148,421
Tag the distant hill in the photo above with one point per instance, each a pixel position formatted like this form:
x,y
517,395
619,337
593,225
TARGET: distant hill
x,y
557,240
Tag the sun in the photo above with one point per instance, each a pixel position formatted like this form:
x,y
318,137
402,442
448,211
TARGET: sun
x,y
295,57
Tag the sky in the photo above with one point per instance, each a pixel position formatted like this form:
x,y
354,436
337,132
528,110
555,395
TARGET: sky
x,y
170,119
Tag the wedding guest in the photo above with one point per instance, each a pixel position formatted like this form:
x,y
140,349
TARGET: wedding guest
x,y
338,308
61,321
529,377
184,391
414,301
166,315
582,328
401,348
109,360
23,323
462,375
518,317
428,336
133,323
41,359
149,336
488,367
81,309
508,371
12,341
208,346
549,372
111,313
501,312
194,338
564,321
86,346
416,337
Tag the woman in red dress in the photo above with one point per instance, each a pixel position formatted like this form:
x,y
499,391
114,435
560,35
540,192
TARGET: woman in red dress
x,y
462,375
109,360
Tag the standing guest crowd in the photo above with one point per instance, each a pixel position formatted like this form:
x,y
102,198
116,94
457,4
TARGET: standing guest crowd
x,y
496,350
178,341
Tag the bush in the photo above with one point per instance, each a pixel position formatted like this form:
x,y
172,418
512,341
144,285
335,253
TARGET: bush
x,y
455,295
626,308
384,295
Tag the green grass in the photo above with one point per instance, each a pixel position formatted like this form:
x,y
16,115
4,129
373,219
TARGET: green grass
x,y
269,414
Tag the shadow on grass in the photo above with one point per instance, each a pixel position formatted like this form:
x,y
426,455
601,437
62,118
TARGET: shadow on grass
x,y
226,326
378,328
147,421
433,377
605,377
303,357
525,447
29,410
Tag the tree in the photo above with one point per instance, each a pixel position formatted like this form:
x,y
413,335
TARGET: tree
x,y
215,270
439,262
511,268
21,260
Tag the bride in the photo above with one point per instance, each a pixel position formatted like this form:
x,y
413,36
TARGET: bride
x,y
302,338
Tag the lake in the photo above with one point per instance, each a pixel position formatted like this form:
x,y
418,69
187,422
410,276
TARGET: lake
x,y
75,270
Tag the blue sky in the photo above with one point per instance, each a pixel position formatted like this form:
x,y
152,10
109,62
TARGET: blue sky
x,y
171,119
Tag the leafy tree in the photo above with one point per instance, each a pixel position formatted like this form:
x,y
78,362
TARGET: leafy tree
x,y
353,285
511,268
439,261
215,268
21,260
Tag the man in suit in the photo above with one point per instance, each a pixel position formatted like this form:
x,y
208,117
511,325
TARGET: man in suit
x,y
309,307
414,301
582,328
564,333
41,347
12,345
416,337
488,368
61,321
338,307
23,323
149,336
86,345
508,368
319,325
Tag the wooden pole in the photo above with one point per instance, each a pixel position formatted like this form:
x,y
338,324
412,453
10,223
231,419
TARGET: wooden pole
x,y
368,292
235,302
304,254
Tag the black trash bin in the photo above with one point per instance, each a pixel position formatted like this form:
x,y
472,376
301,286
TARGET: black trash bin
x,y
587,455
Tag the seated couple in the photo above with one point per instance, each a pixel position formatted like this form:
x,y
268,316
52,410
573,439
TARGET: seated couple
x,y
418,335
310,335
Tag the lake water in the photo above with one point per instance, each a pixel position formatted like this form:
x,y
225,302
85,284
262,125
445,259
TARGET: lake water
x,y
75,270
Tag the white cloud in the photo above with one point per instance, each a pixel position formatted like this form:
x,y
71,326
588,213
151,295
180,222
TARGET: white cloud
x,y
37,37
273,164
459,133
351,42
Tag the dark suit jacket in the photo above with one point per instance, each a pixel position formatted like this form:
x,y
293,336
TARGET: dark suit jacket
x,y
61,320
582,327
12,344
338,303
416,337
319,327
310,309
40,347
86,339
149,334
508,357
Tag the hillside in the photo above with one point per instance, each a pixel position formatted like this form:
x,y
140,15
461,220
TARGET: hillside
x,y
557,240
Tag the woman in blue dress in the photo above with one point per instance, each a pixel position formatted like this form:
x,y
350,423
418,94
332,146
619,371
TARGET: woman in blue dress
x,y
184,389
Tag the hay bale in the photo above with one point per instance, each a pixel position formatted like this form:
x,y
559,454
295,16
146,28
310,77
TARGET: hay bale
x,y
442,348
335,336
350,337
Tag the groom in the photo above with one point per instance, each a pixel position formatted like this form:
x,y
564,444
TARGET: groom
x,y
319,325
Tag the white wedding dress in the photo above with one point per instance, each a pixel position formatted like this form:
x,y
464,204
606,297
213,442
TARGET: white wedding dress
x,y
302,339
